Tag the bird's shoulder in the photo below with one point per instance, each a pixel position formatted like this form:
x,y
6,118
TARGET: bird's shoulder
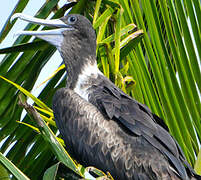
x,y
115,104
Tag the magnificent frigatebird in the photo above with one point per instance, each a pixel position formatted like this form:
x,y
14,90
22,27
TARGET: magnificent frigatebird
x,y
100,124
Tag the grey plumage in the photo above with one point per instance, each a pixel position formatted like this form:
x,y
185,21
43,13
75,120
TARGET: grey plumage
x,y
101,125
96,141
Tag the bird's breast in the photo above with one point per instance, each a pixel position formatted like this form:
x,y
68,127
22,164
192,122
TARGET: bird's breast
x,y
82,90
86,80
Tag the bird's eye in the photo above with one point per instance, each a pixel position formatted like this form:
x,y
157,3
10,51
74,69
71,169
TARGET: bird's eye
x,y
72,19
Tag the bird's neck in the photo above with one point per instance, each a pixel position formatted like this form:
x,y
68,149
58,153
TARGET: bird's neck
x,y
77,53
79,68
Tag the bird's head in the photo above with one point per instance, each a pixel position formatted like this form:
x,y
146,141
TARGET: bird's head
x,y
72,32
73,36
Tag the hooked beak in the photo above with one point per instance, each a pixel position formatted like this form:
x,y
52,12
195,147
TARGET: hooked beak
x,y
54,37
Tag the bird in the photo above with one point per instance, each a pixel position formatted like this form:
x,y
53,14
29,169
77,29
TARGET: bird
x,y
100,124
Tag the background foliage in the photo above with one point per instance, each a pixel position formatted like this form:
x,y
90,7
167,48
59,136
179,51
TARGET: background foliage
x,y
162,71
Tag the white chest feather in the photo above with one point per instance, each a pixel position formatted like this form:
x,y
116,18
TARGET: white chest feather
x,y
83,83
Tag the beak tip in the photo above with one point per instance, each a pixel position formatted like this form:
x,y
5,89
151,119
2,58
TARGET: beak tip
x,y
15,16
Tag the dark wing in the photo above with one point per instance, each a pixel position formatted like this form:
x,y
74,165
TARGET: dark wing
x,y
136,118
92,140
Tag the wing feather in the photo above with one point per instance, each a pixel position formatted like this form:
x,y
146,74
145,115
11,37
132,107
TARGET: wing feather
x,y
137,119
